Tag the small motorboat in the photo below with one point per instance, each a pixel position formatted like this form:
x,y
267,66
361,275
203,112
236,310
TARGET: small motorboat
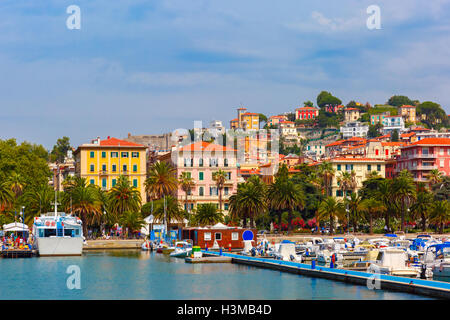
x,y
147,246
394,262
286,251
437,258
182,249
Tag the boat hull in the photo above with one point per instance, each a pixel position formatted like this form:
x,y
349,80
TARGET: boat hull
x,y
60,246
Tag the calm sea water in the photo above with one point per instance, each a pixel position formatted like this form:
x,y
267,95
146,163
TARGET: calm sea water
x,y
143,275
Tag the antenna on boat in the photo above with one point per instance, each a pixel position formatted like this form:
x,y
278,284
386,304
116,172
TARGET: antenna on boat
x,y
56,205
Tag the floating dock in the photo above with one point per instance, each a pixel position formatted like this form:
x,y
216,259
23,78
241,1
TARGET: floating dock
x,y
436,289
209,259
17,253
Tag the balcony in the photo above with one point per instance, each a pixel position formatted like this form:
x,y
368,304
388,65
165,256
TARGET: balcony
x,y
425,155
103,172
424,167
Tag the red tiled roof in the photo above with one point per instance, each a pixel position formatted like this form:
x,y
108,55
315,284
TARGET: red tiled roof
x,y
356,159
407,135
336,143
420,129
431,141
250,114
407,106
351,109
306,108
205,146
234,120
392,144
114,142
285,121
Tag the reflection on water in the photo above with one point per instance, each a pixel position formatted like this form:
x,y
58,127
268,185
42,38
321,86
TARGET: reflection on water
x,y
135,274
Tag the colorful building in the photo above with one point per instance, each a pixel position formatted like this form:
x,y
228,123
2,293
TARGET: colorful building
x,y
425,155
101,162
408,113
200,160
391,123
245,120
306,113
378,118
275,120
362,168
351,114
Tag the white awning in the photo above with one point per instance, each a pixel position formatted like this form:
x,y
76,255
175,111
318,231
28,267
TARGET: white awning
x,y
15,226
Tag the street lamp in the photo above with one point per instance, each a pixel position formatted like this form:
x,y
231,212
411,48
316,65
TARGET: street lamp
x,y
348,215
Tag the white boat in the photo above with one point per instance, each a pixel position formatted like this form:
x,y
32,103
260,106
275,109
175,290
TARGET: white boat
x,y
286,251
58,234
182,249
325,256
437,258
147,246
391,261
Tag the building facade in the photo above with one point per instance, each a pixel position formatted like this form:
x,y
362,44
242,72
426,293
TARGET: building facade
x,y
354,129
378,118
408,113
423,156
200,160
101,162
351,114
306,113
391,123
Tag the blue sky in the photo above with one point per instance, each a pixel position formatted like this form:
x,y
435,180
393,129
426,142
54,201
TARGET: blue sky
x,y
147,67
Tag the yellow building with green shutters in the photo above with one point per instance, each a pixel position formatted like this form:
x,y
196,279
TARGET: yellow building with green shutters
x,y
101,162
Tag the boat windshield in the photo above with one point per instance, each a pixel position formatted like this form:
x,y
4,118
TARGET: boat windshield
x,y
444,253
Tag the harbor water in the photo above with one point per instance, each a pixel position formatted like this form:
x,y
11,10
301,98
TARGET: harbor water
x,y
133,274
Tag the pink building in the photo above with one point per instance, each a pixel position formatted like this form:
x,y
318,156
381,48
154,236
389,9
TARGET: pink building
x,y
425,155
200,160
306,113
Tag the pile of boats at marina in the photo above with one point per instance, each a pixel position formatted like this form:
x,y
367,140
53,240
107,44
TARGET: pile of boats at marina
x,y
423,257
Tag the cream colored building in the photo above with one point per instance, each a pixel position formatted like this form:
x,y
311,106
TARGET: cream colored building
x,y
362,168
408,113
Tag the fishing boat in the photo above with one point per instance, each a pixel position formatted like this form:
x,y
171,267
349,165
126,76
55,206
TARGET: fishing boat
x,y
58,234
437,258
182,249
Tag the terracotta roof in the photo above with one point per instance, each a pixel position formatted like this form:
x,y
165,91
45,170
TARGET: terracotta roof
x,y
119,143
205,146
293,170
392,144
407,106
407,135
277,117
285,121
336,143
242,109
234,120
351,109
306,108
250,114
267,165
431,141
420,129
356,139
356,159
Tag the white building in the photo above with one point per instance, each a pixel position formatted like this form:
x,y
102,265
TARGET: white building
x,y
391,123
216,127
354,129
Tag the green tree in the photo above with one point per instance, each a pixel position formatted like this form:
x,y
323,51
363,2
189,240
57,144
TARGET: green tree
x,y
326,173
421,207
394,136
398,101
187,184
124,197
60,149
207,214
404,192
373,208
161,180
131,221
38,200
308,104
220,177
173,212
331,209
354,204
6,197
440,214
435,115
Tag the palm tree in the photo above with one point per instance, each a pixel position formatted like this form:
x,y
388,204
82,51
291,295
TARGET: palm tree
x,y
284,195
186,183
207,214
124,197
434,177
440,214
85,202
326,172
384,194
161,180
404,192
248,202
172,212
16,183
372,207
132,221
219,177
355,209
7,196
422,206
331,209
347,181
38,200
